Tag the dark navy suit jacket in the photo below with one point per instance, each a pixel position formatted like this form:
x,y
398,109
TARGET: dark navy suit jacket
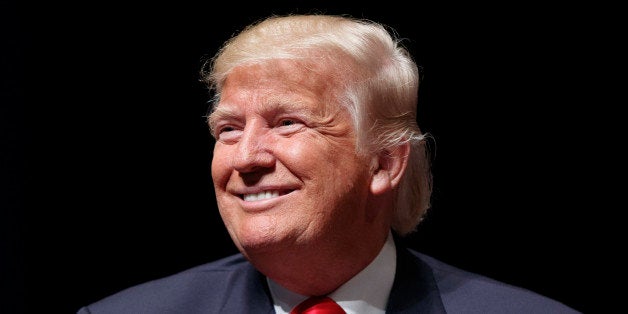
x,y
232,285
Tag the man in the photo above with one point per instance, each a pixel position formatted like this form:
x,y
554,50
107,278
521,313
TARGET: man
x,y
319,167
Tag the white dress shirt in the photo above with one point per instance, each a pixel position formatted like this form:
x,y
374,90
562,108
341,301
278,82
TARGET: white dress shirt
x,y
366,292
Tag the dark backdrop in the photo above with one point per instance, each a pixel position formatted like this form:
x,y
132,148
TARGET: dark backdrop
x,y
106,155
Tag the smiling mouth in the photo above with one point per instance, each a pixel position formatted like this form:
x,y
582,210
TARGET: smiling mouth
x,y
264,195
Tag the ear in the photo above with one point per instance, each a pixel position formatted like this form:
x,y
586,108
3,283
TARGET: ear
x,y
388,168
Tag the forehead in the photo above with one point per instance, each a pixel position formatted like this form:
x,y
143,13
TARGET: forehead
x,y
282,82
286,74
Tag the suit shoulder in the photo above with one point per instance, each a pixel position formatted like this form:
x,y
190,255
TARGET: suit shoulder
x,y
178,292
226,264
466,292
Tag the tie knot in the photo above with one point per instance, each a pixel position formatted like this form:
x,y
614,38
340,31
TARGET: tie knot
x,y
318,305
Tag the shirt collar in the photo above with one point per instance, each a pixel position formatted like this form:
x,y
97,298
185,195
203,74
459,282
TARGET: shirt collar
x,y
359,294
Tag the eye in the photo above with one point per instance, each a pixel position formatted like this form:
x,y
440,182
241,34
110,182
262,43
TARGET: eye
x,y
290,122
225,129
289,126
227,133
287,122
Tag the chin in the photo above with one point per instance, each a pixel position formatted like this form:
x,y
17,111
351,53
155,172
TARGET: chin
x,y
267,243
257,241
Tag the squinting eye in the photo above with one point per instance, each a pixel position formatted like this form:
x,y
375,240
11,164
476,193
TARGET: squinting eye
x,y
287,122
225,129
228,134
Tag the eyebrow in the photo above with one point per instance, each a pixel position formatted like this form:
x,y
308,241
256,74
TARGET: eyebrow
x,y
282,104
219,113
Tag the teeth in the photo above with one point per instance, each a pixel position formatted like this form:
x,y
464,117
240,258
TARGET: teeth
x,y
260,196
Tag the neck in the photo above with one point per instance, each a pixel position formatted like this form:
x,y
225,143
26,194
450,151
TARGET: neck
x,y
319,269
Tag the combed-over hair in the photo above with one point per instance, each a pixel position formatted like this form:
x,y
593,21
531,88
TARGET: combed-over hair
x,y
380,87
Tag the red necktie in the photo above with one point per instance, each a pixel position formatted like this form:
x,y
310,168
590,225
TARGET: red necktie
x,y
318,305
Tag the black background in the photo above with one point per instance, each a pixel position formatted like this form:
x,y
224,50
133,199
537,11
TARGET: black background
x,y
105,155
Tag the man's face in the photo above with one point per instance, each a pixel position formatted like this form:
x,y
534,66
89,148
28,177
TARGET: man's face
x,y
285,167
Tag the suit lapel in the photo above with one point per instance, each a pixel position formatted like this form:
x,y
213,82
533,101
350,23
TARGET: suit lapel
x,y
249,293
414,289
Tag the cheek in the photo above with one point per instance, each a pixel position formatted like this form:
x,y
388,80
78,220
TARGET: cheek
x,y
220,168
332,167
309,151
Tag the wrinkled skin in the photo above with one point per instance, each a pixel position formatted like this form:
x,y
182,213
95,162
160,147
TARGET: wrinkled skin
x,y
291,189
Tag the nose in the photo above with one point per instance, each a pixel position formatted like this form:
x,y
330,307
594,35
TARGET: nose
x,y
254,150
